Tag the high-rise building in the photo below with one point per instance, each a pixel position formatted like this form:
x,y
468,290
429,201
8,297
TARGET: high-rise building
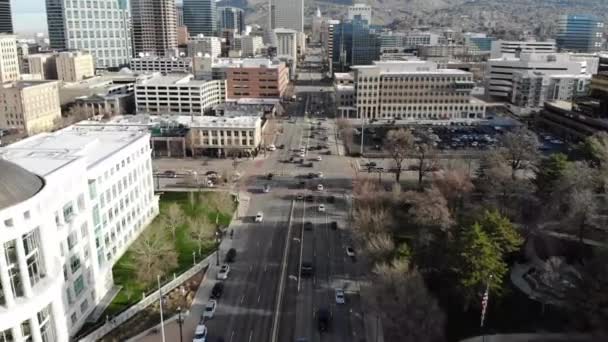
x,y
354,43
579,33
231,18
6,18
61,232
317,22
362,11
179,14
201,46
287,48
288,14
251,45
98,26
154,27
43,64
9,61
200,17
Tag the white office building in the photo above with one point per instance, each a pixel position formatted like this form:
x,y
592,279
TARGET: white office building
x,y
500,71
71,202
508,48
363,11
202,45
101,27
251,46
178,94
288,14
287,48
9,61
161,64
414,90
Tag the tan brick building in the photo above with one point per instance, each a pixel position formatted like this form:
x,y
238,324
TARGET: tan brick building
x,y
31,106
254,78
74,66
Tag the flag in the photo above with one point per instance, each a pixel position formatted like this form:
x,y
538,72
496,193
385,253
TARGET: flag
x,y
484,303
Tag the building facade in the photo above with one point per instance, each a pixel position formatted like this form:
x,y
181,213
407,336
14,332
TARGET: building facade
x,y
414,90
251,46
154,27
579,33
254,78
509,48
9,60
161,64
74,66
200,16
6,17
362,11
287,48
43,64
30,106
178,94
101,27
354,43
231,18
202,45
287,14
71,203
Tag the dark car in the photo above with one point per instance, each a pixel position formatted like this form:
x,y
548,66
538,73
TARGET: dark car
x,y
291,159
309,164
170,174
280,147
309,198
217,290
323,319
269,176
334,225
312,175
231,255
331,199
307,269
307,226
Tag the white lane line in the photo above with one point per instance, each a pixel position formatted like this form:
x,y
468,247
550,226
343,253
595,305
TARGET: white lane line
x,y
231,335
250,335
259,297
242,299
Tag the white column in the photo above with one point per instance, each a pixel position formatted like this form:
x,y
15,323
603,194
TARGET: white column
x,y
6,283
35,326
60,323
17,335
25,279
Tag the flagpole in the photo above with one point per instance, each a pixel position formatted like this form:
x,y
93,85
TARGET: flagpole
x,y
162,322
484,305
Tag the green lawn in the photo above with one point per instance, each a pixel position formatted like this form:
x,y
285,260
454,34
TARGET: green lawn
x,y
131,291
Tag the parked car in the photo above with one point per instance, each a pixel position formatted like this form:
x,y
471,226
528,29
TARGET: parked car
x,y
299,197
170,174
271,147
350,252
319,158
269,176
231,255
331,199
320,187
266,188
223,273
307,225
210,309
334,225
217,290
339,296
323,319
259,217
321,208
200,334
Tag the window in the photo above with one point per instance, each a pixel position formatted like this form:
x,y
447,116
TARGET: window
x,y
26,330
8,223
6,336
26,215
92,189
96,218
68,211
46,325
79,285
72,240
84,306
74,263
73,318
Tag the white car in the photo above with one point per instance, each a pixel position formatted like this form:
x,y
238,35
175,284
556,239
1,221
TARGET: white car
x,y
350,252
259,216
319,158
223,272
271,147
210,184
210,309
302,155
320,174
200,334
340,296
322,208
320,187
266,188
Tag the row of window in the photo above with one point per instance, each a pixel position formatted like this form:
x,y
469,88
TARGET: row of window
x,y
45,326
35,267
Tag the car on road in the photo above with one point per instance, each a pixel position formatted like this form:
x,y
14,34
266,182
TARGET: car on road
x,y
319,158
217,290
269,176
200,334
321,208
334,225
319,187
223,272
307,269
280,147
312,175
309,198
307,225
302,155
320,174
210,183
170,174
271,147
323,319
259,217
210,309
350,252
309,164
231,255
291,159
339,296
331,199
266,188
299,197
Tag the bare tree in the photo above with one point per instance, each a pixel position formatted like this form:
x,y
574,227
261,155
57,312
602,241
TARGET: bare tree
x,y
454,185
426,158
367,193
581,212
153,254
520,149
368,222
430,209
379,247
222,202
173,218
201,230
399,143
409,311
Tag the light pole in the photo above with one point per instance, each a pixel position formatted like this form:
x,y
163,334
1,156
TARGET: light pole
x,y
218,238
362,133
180,322
193,257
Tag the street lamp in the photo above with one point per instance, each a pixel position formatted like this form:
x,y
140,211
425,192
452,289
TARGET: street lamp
x,y
218,239
180,322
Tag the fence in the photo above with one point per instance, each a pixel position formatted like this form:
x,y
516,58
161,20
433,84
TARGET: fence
x,y
144,303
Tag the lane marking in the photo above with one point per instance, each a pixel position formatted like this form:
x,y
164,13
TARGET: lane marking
x,y
250,335
259,296
232,336
242,299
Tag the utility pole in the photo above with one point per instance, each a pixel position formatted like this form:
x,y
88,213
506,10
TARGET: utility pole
x,y
160,297
218,237
362,133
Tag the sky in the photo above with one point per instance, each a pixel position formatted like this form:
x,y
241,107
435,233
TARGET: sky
x,y
29,16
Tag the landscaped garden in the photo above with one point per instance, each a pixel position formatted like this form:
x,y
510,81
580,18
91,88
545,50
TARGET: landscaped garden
x,y
183,233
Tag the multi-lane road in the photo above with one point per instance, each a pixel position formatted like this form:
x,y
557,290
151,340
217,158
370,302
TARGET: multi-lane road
x,y
269,254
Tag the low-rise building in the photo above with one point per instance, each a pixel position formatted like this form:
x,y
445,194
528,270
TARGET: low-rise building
x,y
251,46
74,66
9,59
202,45
344,90
71,203
29,106
414,90
43,64
254,77
165,65
509,48
178,94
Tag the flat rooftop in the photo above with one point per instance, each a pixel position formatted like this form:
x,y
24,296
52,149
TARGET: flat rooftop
x,y
172,79
26,84
246,63
146,121
45,153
